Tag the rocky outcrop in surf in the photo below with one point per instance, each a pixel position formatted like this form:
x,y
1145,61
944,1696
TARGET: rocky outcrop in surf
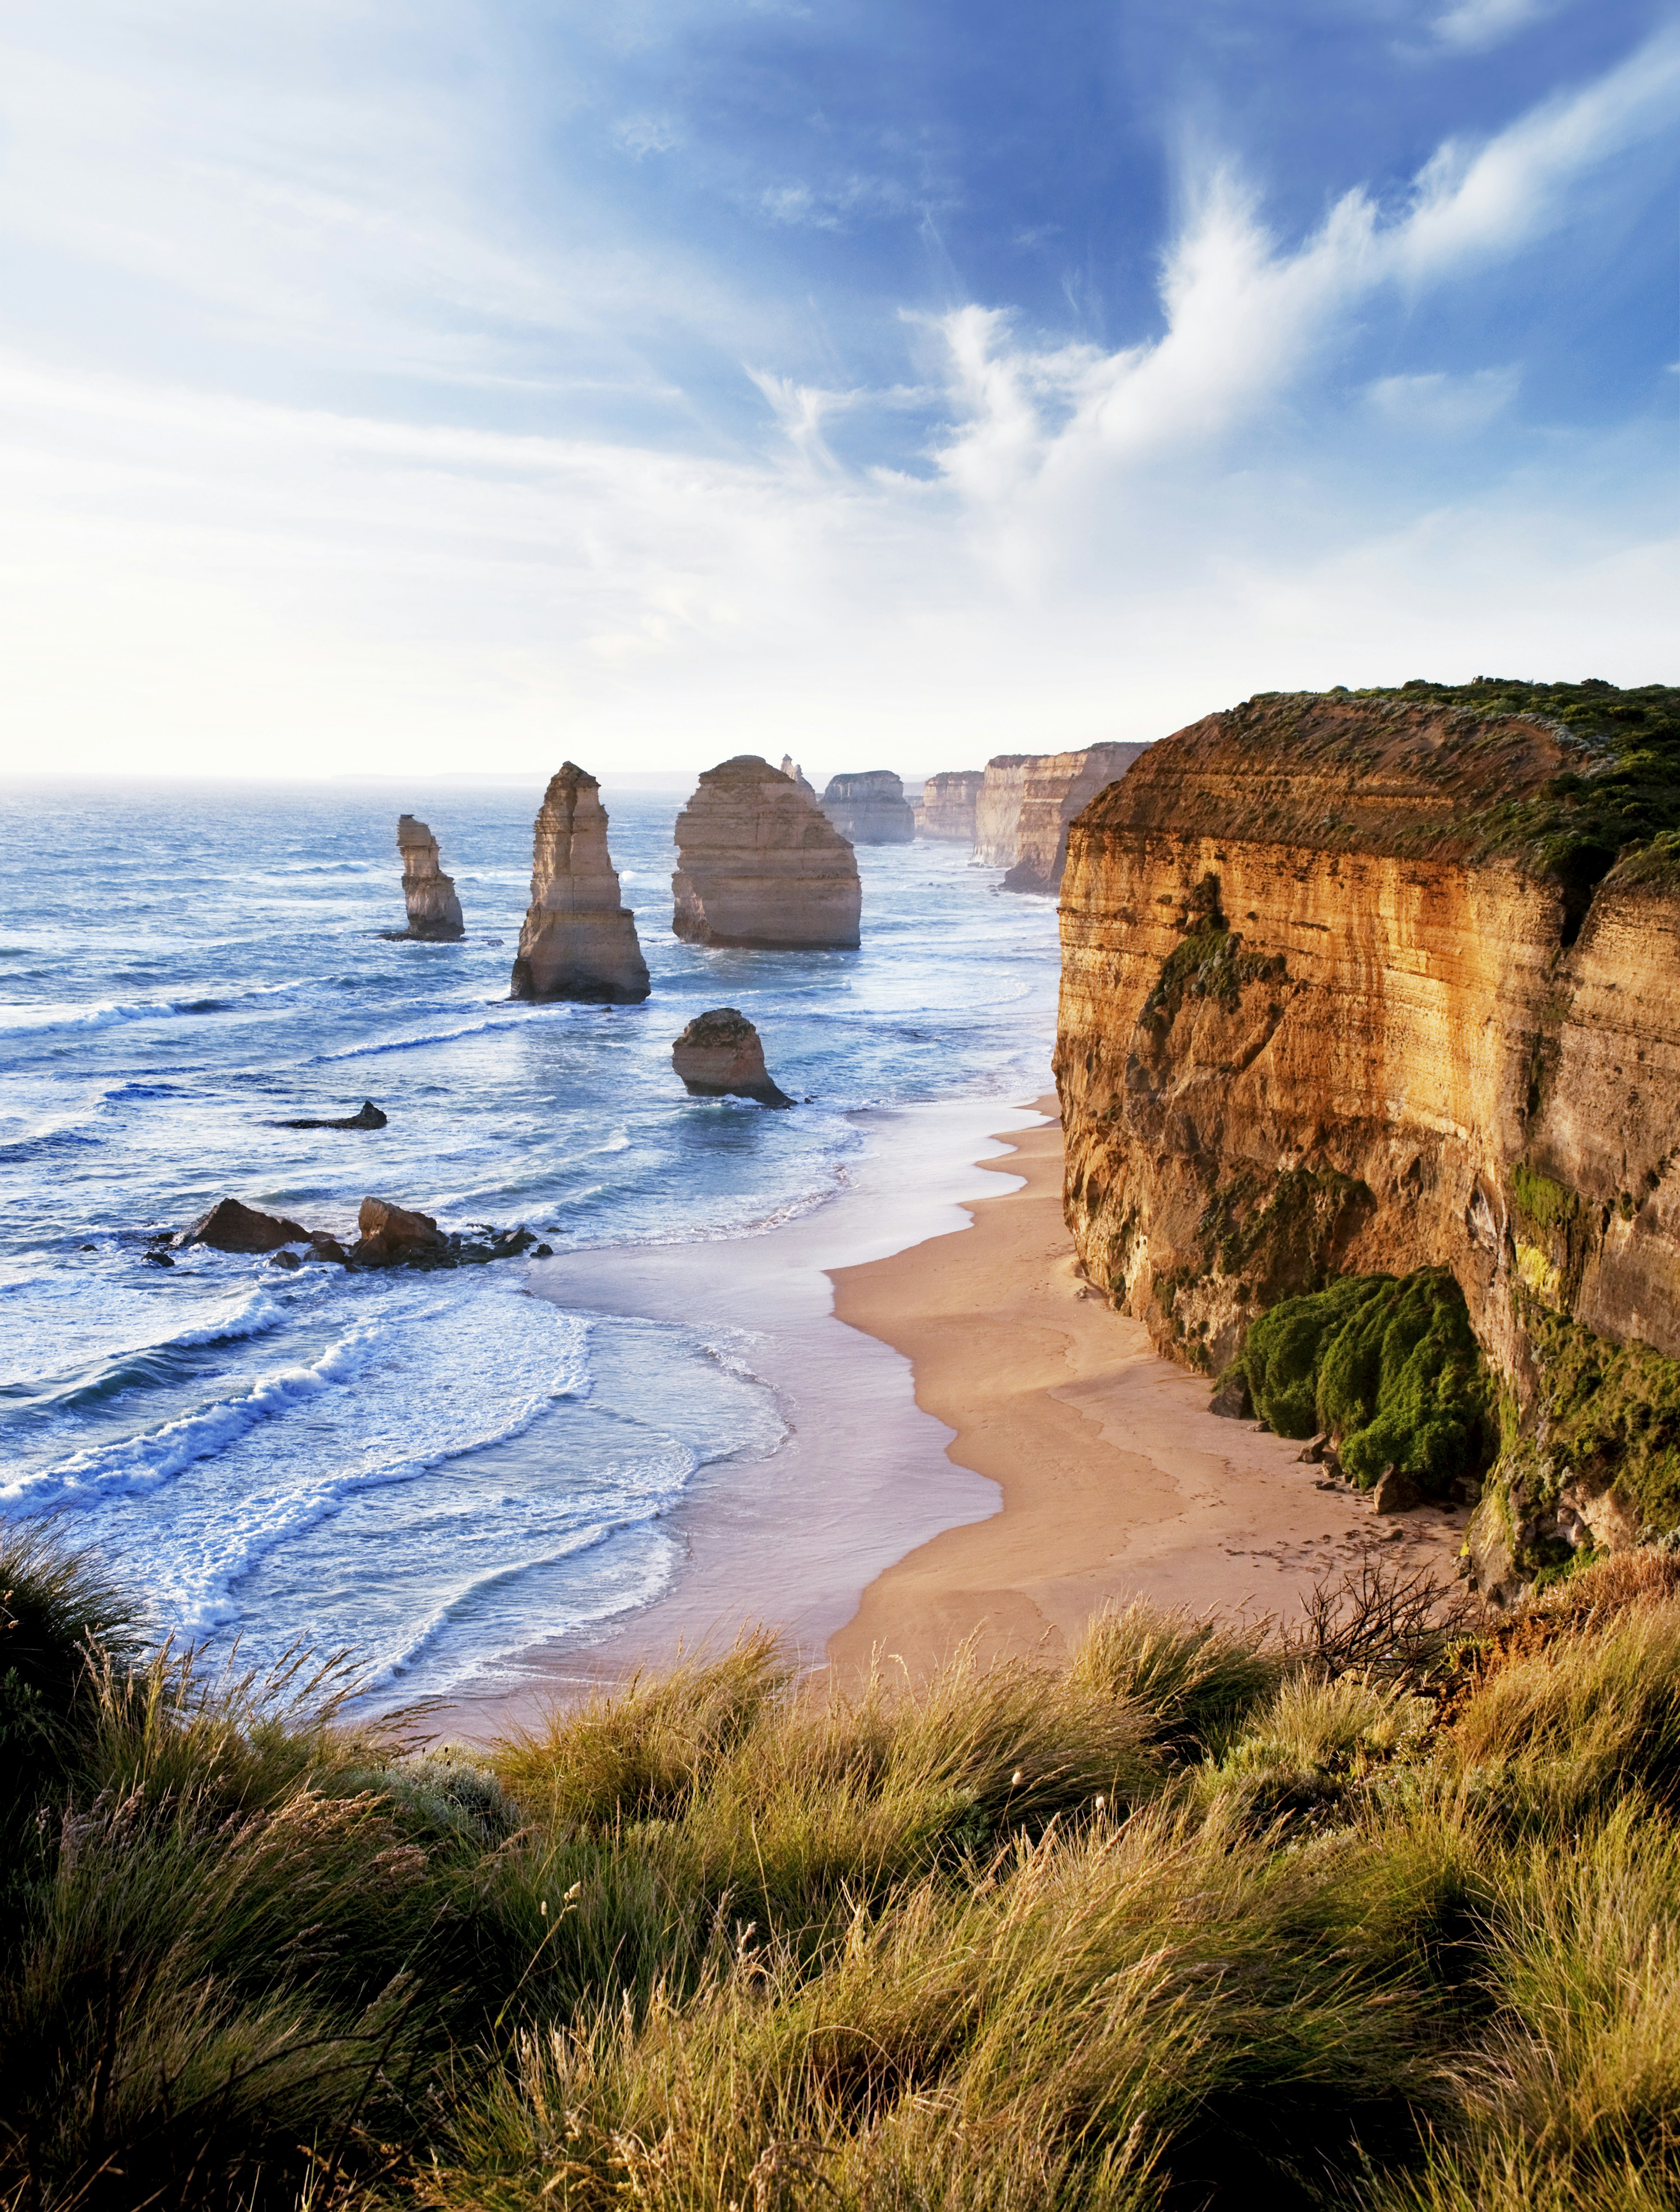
x,y
719,1056
947,811
434,910
579,940
1368,985
231,1226
759,863
369,1116
869,808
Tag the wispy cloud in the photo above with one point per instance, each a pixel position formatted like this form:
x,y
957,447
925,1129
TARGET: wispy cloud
x,y
1472,25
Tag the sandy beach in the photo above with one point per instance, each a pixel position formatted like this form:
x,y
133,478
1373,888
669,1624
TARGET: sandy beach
x,y
1115,1479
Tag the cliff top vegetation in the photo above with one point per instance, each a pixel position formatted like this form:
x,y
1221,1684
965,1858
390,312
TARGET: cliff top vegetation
x,y
1373,1915
1566,777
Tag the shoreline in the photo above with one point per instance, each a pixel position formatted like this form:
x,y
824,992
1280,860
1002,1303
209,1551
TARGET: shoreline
x,y
792,1537
1116,1479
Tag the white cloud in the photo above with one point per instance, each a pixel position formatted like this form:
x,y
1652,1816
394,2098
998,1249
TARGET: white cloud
x,y
1437,406
1473,25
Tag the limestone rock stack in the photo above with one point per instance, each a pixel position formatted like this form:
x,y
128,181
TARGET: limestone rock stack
x,y
1055,787
434,911
869,808
759,863
719,1055
791,769
948,801
579,940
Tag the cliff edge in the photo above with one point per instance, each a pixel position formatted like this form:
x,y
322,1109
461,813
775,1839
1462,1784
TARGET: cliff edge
x,y
1378,982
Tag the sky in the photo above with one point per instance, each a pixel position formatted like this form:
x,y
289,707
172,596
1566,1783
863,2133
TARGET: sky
x,y
453,386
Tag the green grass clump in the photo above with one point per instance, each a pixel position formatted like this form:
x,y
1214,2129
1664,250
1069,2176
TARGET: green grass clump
x,y
1390,1366
1205,1917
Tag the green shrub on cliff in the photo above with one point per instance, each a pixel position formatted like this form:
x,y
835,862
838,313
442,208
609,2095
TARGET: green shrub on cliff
x,y
1390,1367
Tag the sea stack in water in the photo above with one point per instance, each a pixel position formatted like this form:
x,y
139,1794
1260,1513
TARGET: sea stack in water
x,y
870,808
947,805
434,911
719,1055
579,940
759,863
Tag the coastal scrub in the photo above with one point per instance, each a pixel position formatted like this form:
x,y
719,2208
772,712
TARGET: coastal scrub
x,y
1380,1914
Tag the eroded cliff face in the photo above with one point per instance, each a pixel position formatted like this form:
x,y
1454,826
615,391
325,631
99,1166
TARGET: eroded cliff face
x,y
1339,995
1055,787
947,808
1025,802
579,940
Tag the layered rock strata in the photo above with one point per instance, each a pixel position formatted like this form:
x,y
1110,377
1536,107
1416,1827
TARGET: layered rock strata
x,y
1356,984
434,910
1054,788
869,808
759,863
719,1056
948,803
579,940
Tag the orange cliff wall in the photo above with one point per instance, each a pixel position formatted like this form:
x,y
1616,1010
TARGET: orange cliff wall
x,y
1351,1077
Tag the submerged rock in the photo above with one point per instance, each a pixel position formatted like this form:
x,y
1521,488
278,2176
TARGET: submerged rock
x,y
368,1117
719,1055
228,1226
579,940
434,911
870,808
759,863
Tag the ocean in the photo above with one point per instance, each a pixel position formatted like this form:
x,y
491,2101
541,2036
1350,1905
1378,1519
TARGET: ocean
x,y
428,1470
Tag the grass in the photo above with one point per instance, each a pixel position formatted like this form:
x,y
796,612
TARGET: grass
x,y
1378,1915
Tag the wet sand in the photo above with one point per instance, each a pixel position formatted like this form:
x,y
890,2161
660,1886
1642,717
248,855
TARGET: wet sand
x,y
1115,1480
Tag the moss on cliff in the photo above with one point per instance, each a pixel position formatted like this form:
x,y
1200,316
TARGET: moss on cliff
x,y
1391,1366
1209,963
1606,1415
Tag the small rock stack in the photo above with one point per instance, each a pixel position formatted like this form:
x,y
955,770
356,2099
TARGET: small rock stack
x,y
434,911
579,940
719,1055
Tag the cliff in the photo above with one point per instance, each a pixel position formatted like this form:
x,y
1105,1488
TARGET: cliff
x,y
434,911
579,940
948,802
1054,787
1025,802
759,863
1378,982
869,808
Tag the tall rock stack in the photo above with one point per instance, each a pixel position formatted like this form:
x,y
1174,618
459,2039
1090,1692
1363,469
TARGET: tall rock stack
x,y
434,911
948,806
870,808
759,863
791,769
1056,786
579,940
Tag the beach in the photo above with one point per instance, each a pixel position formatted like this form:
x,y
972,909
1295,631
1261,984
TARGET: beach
x,y
1115,1481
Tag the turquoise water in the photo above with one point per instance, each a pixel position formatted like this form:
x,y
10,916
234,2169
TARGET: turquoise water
x,y
424,1469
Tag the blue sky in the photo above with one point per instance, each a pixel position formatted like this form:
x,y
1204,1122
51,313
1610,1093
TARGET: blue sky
x,y
440,386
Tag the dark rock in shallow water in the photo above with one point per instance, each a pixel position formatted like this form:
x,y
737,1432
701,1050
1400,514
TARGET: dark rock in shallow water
x,y
151,1259
369,1117
719,1055
393,1233
230,1227
284,1259
327,1248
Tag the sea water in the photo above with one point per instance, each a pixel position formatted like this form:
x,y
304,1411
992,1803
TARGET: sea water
x,y
428,1469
